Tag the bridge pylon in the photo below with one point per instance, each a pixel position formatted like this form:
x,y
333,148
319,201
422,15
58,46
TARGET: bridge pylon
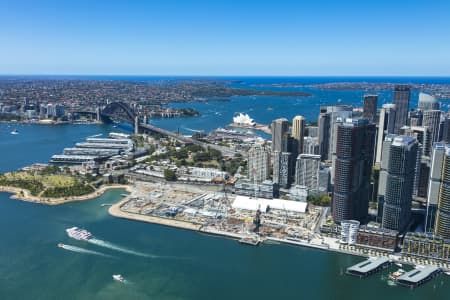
x,y
136,125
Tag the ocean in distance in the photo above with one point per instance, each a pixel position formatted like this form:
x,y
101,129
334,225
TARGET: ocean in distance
x,y
177,264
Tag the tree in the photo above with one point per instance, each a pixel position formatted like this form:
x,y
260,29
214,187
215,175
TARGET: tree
x,y
170,175
320,200
202,156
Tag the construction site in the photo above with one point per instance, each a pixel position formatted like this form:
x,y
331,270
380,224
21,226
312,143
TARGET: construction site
x,y
249,219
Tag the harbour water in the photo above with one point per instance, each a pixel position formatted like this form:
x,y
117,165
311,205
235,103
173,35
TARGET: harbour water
x,y
177,264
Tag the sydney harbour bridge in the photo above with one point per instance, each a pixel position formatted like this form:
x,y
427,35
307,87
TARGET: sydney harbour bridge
x,y
123,112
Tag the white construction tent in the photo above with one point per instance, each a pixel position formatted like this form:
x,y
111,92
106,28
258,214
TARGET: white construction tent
x,y
253,204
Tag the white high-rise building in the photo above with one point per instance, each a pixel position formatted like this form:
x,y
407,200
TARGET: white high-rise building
x,y
259,163
307,171
428,102
432,119
349,231
386,126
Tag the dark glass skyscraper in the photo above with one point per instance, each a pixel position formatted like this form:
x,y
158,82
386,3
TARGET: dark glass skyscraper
x,y
354,156
401,165
370,107
401,98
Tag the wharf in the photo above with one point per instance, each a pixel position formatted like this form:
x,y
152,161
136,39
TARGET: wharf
x,y
250,241
369,266
418,276
257,126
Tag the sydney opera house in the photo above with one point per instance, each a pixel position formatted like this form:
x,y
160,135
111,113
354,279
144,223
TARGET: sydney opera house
x,y
243,119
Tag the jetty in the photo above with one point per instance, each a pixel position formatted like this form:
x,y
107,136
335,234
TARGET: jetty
x,y
256,126
418,276
249,241
369,267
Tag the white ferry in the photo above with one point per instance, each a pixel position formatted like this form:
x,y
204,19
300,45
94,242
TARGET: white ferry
x,y
79,234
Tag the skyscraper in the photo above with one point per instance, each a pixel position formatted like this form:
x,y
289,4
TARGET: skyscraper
x,y
386,126
382,177
329,117
422,134
402,162
370,107
324,134
282,172
428,102
280,129
415,118
438,204
354,156
432,119
401,99
311,145
437,159
307,171
444,132
259,163
298,132
442,226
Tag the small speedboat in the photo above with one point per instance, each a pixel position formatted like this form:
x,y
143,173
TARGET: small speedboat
x,y
14,132
396,274
118,277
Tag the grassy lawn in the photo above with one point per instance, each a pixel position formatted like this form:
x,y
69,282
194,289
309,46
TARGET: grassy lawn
x,y
50,185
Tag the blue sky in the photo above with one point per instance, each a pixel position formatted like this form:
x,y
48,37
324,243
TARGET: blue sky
x,y
176,37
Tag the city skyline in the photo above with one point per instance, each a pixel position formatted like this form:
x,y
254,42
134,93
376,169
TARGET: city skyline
x,y
290,38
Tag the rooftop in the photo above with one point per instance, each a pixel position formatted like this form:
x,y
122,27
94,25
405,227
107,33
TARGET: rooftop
x,y
248,203
416,275
403,140
368,265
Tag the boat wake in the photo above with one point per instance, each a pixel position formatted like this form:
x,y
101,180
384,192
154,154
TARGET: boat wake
x,y
118,248
190,129
82,250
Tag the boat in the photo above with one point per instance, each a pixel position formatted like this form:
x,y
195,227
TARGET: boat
x,y
79,234
399,265
118,277
396,274
14,132
60,245
447,273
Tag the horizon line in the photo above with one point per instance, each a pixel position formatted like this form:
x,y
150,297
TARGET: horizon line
x,y
222,75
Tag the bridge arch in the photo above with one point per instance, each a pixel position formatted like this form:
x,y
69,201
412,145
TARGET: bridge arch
x,y
112,108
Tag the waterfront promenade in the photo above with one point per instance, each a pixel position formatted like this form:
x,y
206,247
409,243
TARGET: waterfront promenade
x,y
319,242
25,195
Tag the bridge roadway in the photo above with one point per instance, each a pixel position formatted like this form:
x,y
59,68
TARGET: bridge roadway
x,y
148,127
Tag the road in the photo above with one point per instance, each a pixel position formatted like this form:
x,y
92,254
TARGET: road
x,y
225,150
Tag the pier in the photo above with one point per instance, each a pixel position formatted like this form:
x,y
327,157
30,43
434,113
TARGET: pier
x,y
418,276
369,267
250,241
257,126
